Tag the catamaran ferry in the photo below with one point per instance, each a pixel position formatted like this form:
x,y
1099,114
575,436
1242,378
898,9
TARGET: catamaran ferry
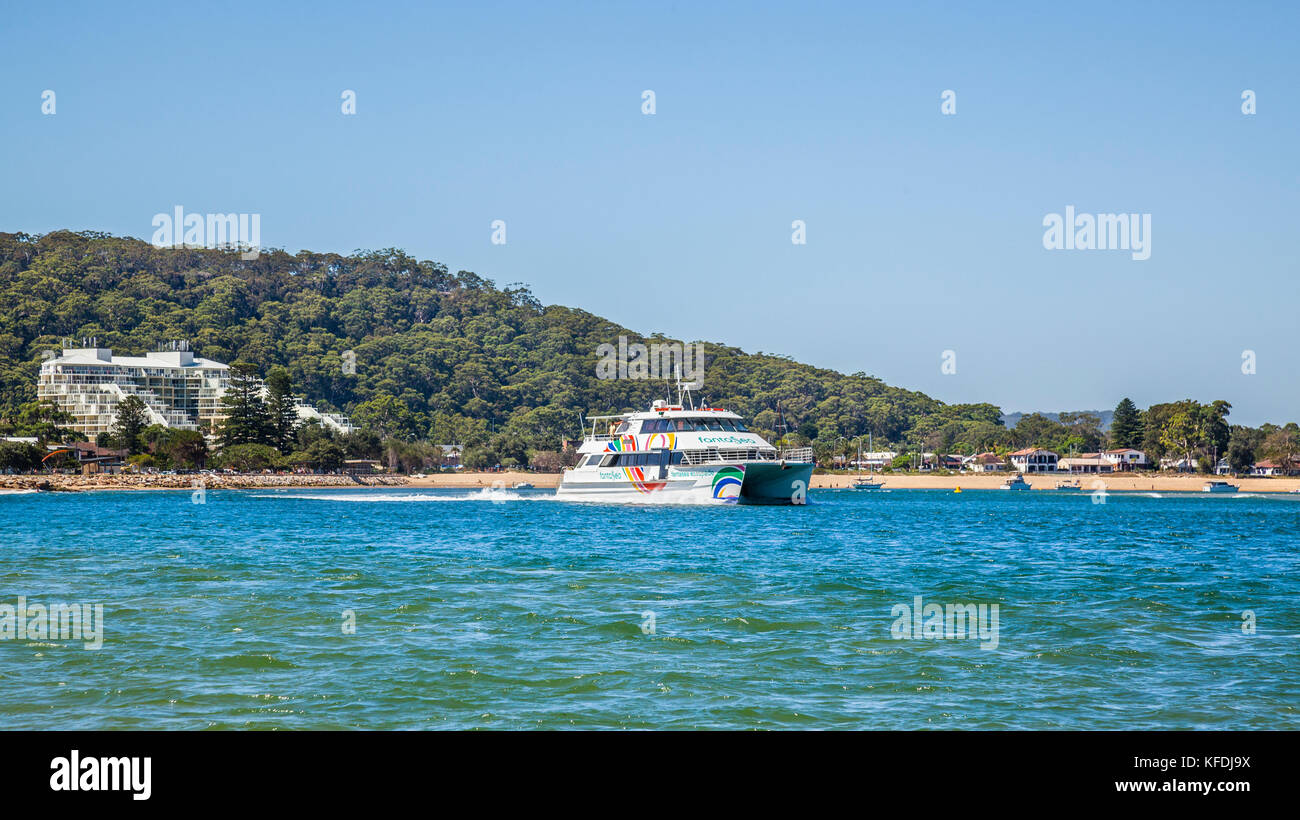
x,y
680,453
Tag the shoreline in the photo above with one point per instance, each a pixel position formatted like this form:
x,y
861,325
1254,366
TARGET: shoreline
x,y
1114,482
1118,482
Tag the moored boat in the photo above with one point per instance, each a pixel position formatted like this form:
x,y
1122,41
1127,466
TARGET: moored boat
x,y
1218,487
865,482
1016,482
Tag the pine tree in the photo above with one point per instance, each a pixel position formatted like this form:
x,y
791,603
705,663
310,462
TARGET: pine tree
x,y
130,422
282,413
247,420
1126,428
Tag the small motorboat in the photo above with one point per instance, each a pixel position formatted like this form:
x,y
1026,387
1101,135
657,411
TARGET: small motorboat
x,y
1016,482
1069,486
523,485
1218,487
861,482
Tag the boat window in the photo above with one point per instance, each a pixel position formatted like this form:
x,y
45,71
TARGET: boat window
x,y
677,457
595,458
727,425
609,460
654,426
740,426
623,428
714,424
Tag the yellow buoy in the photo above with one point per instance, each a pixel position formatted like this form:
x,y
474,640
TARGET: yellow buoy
x,y
957,490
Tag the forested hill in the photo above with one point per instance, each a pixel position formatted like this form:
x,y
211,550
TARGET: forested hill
x,y
439,356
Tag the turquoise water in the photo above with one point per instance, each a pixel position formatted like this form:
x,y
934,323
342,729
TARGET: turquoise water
x,y
528,612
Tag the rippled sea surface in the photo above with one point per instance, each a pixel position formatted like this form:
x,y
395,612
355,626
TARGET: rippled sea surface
x,y
524,612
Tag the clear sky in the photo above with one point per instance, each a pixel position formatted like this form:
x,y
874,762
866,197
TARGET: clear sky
x,y
924,230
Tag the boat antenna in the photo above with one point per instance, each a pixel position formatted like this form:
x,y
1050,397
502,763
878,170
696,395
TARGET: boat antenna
x,y
684,389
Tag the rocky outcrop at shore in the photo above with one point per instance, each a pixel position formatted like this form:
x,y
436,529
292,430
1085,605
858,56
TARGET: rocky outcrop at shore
x,y
75,483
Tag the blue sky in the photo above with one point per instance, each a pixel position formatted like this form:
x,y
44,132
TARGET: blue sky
x,y
924,231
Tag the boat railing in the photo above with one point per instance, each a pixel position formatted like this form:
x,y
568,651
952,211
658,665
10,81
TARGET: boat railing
x,y
799,454
714,455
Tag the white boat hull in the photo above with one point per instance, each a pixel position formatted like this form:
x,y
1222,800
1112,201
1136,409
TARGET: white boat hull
x,y
754,482
1219,488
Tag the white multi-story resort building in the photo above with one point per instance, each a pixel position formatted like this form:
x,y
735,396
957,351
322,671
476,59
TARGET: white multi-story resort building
x,y
178,389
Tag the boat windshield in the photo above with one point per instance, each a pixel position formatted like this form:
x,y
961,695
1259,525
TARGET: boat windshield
x,y
693,425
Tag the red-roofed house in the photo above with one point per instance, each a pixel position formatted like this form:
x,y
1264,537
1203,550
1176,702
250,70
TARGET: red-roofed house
x,y
985,463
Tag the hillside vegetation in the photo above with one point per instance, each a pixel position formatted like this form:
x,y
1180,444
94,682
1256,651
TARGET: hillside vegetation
x,y
440,357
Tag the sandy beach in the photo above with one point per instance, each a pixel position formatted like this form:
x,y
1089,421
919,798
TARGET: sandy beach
x,y
1112,483
1118,482
76,483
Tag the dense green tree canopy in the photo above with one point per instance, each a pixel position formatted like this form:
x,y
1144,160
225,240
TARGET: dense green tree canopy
x,y
420,356
403,345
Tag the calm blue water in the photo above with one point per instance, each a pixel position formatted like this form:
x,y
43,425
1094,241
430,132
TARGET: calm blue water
x,y
528,613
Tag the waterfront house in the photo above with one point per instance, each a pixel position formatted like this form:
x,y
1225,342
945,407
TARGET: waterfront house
x,y
451,454
1034,460
92,458
985,463
361,466
1086,463
1181,465
1270,468
876,461
1126,458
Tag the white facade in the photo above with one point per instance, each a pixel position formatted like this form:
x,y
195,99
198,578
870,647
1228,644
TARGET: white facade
x,y
876,461
983,463
1034,460
178,388
1126,458
1086,464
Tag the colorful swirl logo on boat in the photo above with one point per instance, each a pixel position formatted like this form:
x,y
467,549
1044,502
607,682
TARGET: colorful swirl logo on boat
x,y
726,483
637,476
667,441
623,444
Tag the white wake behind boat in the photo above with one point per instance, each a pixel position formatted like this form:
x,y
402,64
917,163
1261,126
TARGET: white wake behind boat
x,y
684,454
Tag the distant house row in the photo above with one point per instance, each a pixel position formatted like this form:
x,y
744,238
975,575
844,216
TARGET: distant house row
x,y
1028,460
1039,460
